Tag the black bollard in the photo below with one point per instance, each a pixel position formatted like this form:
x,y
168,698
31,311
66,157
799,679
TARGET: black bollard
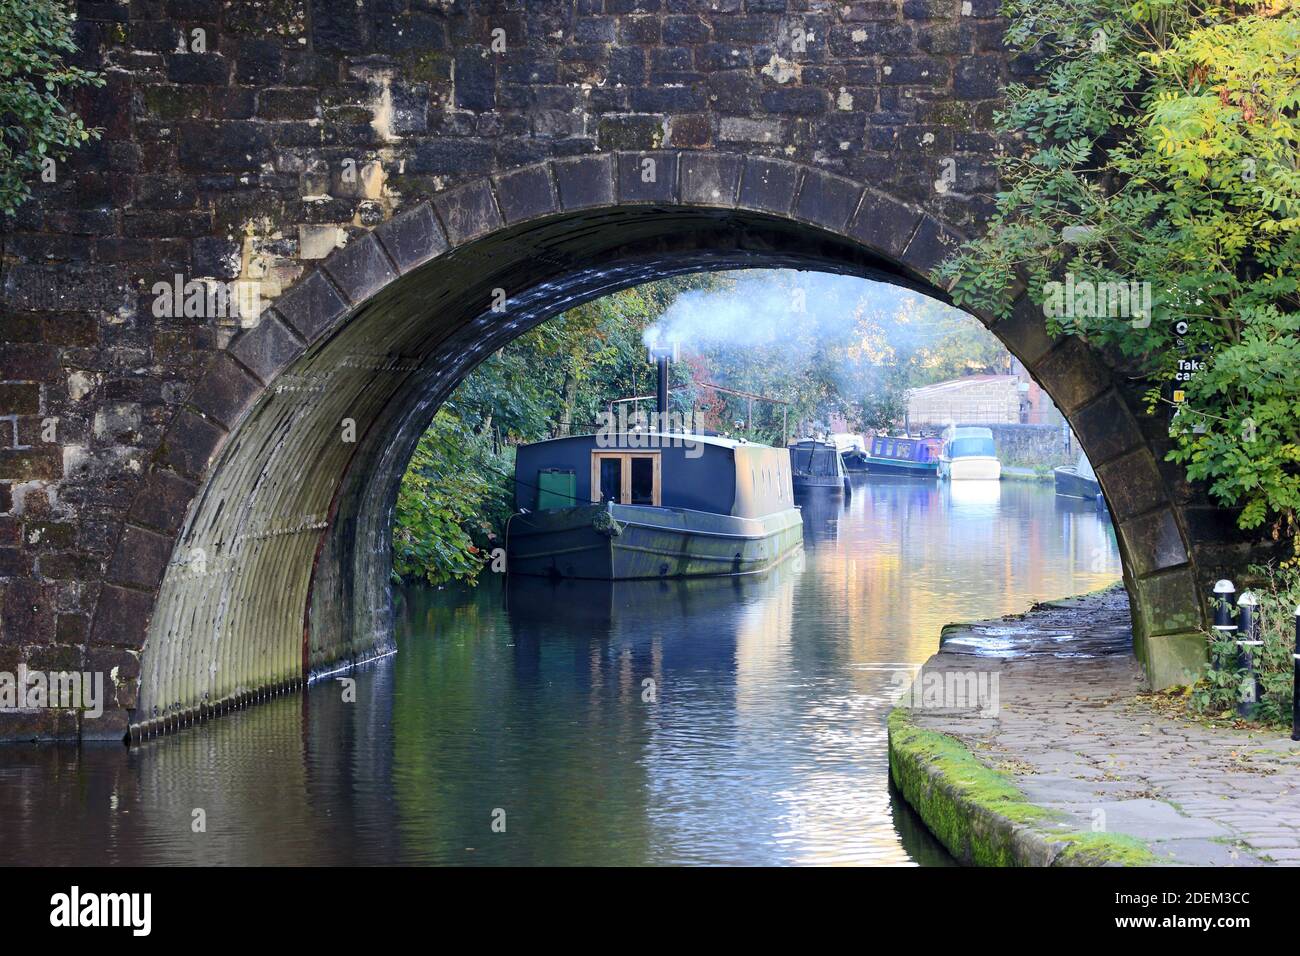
x,y
1224,592
1248,648
1295,687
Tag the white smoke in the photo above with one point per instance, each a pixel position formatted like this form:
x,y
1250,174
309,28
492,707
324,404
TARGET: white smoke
x,y
784,307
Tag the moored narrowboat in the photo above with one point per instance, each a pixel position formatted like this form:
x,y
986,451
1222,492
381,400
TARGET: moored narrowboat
x,y
816,466
650,505
968,454
852,451
1077,480
907,456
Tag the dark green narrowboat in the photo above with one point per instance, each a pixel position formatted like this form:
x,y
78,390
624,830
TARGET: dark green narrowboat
x,y
650,505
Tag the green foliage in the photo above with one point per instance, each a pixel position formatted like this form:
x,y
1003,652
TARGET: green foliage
x,y
1161,148
438,504
1218,692
34,37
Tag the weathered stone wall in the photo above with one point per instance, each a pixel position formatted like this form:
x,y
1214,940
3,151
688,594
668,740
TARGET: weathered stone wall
x,y
248,141
1033,445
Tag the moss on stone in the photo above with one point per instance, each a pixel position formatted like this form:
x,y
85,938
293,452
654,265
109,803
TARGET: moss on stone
x,y
1103,849
981,816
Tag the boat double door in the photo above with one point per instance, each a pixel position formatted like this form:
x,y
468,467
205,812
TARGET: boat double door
x,y
626,478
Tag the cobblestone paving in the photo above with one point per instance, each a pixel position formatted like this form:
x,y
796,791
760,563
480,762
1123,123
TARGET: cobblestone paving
x,y
1073,733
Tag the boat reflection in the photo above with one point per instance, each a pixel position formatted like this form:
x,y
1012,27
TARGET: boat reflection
x,y
974,498
822,510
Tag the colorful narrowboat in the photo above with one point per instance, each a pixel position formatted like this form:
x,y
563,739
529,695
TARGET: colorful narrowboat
x,y
908,456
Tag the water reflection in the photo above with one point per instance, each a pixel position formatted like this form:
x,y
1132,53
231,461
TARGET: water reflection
x,y
731,720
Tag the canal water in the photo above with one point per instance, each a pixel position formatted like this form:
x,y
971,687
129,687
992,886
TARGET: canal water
x,y
729,721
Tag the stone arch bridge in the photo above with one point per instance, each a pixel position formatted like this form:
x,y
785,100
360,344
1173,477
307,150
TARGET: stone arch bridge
x,y
178,508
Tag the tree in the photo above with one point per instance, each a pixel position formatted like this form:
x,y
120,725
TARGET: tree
x,y
1153,206
438,502
35,127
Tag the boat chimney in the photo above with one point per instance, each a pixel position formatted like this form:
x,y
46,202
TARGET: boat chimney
x,y
662,354
661,390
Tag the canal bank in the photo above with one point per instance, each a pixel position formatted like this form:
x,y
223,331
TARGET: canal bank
x,y
1061,761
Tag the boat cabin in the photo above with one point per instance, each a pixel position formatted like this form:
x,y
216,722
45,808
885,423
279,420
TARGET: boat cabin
x,y
907,448
817,464
969,452
969,442
696,472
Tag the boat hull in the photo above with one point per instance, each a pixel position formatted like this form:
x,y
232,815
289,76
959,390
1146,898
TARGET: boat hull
x,y
834,484
1071,484
609,542
973,468
904,469
854,461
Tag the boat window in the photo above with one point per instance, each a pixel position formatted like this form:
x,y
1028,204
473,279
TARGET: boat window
x,y
624,478
971,448
643,481
611,479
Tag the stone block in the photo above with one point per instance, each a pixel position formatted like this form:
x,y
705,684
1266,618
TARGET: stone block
x,y
883,225
1024,332
1133,484
226,390
585,182
1106,428
1072,374
122,617
318,240
360,268
647,177
140,558
931,244
630,131
30,464
1175,660
526,194
768,185
27,612
710,179
20,398
162,502
468,212
1153,542
190,443
266,348
413,238
826,200
1168,603
311,306
112,725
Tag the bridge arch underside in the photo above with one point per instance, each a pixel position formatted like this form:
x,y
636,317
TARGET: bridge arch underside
x,y
278,566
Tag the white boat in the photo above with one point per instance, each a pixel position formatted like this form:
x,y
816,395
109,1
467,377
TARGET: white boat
x,y
968,454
